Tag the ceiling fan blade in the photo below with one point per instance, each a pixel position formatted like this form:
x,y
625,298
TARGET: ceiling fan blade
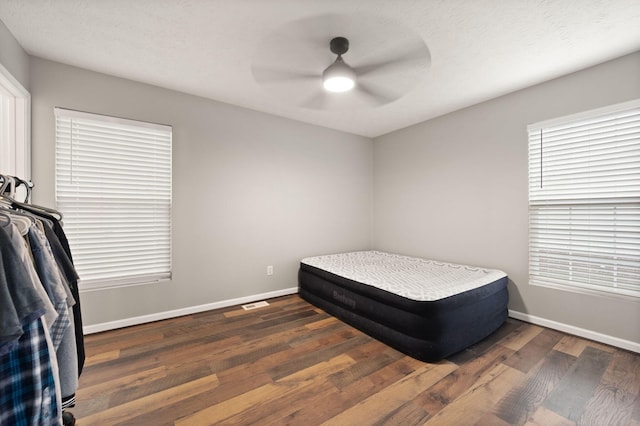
x,y
270,74
414,54
317,101
375,95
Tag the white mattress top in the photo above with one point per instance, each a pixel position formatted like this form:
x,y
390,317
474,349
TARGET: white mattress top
x,y
410,277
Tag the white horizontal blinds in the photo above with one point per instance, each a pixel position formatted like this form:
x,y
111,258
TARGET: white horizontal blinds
x,y
584,200
113,185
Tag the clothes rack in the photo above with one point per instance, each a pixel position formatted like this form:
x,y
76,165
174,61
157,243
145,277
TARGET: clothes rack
x,y
41,339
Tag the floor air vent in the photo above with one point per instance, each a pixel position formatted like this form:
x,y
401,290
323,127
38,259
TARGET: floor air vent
x,y
255,305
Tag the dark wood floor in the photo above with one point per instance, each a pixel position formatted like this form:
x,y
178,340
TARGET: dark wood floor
x,y
292,364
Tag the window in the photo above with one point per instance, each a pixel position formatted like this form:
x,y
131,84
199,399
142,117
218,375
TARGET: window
x,y
584,201
113,186
15,116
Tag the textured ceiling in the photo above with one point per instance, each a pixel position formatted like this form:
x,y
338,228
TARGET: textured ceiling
x,y
478,49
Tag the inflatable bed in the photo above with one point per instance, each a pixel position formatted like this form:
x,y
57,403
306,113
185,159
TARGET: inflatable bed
x,y
424,308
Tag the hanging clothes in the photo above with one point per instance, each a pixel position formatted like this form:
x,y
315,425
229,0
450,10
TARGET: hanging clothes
x,y
61,330
62,254
29,391
41,339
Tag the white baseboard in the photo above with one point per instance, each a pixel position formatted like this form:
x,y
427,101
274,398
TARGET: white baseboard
x,y
126,322
577,331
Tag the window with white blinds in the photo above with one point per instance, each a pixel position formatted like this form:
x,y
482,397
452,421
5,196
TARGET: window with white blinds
x,y
584,201
113,186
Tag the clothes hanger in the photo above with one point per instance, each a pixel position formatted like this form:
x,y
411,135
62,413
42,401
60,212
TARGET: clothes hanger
x,y
33,208
22,223
37,210
33,217
9,202
11,183
27,186
6,184
5,201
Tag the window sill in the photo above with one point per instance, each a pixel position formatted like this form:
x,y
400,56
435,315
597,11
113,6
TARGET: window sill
x,y
613,293
108,285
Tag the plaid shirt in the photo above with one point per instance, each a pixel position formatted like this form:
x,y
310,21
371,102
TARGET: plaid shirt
x,y
27,384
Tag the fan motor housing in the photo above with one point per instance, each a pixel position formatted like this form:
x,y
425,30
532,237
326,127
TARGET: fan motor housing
x,y
339,45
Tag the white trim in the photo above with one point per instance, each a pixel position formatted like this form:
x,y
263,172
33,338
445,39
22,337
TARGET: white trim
x,y
8,80
122,283
577,331
608,293
584,115
71,113
126,322
583,198
566,328
21,139
114,174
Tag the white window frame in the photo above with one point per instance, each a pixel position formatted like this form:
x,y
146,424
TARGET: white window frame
x,y
15,127
113,186
585,253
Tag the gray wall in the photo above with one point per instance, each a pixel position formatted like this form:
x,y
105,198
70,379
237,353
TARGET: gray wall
x,y
249,189
455,188
252,190
13,57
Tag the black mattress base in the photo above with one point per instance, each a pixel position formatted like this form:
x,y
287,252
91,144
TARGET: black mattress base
x,y
427,331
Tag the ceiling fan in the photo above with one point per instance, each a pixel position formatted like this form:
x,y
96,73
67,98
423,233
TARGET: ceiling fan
x,y
339,77
374,70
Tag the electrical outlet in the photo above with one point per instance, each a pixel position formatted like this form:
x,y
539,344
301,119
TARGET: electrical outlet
x,y
270,270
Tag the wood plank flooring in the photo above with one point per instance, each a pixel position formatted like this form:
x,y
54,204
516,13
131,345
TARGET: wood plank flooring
x,y
292,364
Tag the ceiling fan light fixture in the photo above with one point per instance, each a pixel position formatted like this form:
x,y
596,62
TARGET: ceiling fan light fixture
x,y
339,77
